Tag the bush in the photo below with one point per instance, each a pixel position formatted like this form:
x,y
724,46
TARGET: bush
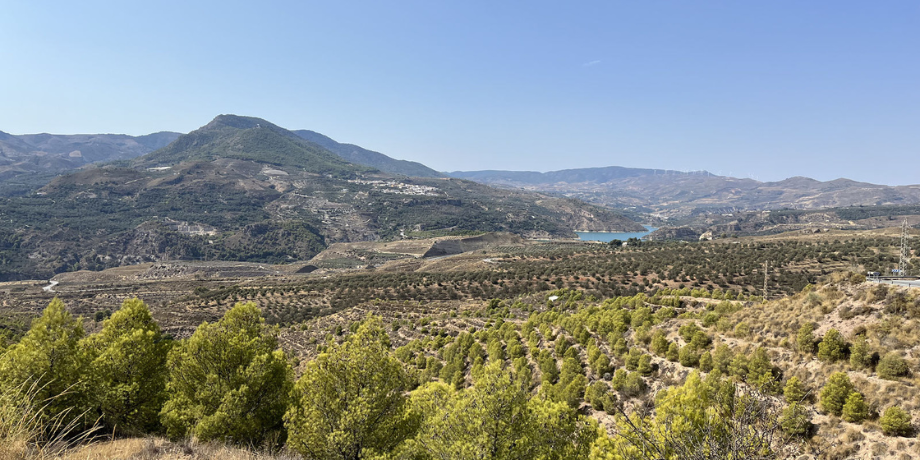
x,y
855,409
706,364
49,360
892,366
600,397
128,370
835,393
228,381
634,385
795,420
805,339
896,422
688,356
794,391
860,356
833,347
673,353
351,399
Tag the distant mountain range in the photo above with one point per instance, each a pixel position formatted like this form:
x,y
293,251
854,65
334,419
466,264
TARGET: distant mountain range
x,y
244,189
680,194
28,161
31,160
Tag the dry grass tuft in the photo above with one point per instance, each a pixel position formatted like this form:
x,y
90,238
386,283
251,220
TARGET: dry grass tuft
x,y
27,433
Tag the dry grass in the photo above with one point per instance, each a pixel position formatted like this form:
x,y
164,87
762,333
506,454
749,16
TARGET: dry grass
x,y
158,448
27,433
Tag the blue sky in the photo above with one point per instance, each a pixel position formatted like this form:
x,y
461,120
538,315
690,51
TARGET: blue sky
x,y
768,90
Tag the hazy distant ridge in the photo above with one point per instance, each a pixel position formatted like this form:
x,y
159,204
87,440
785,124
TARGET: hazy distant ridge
x,y
679,193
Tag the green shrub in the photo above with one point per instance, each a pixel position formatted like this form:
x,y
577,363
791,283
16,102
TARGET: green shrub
x,y
659,344
351,400
645,365
228,381
688,356
892,366
673,353
794,391
835,393
860,356
50,360
128,370
706,364
833,347
805,339
795,420
896,422
855,409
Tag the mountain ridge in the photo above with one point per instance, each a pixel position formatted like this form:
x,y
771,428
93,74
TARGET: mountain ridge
x,y
679,194
360,155
243,189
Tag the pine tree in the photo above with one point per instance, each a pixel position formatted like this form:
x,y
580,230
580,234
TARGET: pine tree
x,y
228,381
833,347
892,366
860,356
673,353
50,360
794,391
351,400
896,422
706,364
855,409
805,339
835,393
496,418
794,420
128,370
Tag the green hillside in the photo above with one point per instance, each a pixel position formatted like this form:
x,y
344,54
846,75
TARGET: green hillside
x,y
253,139
243,189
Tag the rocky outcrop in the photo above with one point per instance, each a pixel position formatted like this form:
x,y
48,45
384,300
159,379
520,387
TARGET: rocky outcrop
x,y
674,233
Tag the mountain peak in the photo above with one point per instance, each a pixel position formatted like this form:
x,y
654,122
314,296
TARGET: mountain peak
x,y
237,122
251,139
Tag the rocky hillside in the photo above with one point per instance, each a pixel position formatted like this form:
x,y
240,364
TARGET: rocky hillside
x,y
243,189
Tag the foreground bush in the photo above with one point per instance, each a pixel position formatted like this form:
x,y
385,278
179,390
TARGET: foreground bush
x,y
496,418
704,419
49,361
128,370
228,382
351,400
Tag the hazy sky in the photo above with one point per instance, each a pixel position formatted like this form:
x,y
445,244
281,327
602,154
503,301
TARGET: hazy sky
x,y
766,89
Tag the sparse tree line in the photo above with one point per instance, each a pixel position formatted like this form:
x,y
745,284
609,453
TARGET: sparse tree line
x,y
508,390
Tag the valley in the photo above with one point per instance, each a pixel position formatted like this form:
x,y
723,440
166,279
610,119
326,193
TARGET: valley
x,y
752,316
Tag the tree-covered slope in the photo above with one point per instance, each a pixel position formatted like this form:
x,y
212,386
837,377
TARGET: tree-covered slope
x,y
253,139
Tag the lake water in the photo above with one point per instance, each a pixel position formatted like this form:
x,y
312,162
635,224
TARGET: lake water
x,y
610,236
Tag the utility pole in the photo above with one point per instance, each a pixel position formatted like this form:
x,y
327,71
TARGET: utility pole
x,y
905,249
766,277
